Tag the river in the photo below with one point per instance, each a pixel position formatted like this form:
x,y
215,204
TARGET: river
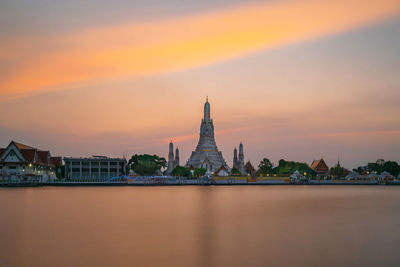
x,y
200,226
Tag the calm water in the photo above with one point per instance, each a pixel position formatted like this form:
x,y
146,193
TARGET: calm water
x,y
200,226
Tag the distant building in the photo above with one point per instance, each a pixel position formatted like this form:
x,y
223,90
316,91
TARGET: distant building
x,y
222,171
320,168
19,161
380,162
207,154
250,170
352,175
238,163
96,167
297,178
172,161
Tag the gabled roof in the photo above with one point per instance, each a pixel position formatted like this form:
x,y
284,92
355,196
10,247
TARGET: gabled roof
x,y
43,157
319,165
28,154
222,168
22,146
249,167
56,161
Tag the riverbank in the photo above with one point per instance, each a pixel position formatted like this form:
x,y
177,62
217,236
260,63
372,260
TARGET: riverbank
x,y
191,183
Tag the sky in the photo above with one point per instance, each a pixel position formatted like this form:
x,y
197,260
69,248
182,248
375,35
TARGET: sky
x,y
291,79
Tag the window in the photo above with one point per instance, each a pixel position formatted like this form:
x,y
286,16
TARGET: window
x,y
12,167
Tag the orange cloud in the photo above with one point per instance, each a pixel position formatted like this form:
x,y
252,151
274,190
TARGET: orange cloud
x,y
175,44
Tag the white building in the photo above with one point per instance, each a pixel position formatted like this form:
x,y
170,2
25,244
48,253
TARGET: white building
x,y
22,162
96,167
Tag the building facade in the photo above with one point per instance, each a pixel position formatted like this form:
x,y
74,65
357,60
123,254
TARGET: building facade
x,y
94,168
23,162
207,154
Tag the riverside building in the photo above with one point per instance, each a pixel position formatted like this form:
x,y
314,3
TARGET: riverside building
x,y
26,163
96,167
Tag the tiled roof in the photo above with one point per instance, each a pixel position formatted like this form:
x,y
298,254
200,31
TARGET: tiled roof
x,y
28,154
318,165
43,157
221,168
22,146
249,167
56,161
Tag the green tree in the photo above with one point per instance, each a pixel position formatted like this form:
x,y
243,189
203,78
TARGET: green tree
x,y
289,167
146,164
265,167
338,171
235,171
60,171
391,167
199,172
180,171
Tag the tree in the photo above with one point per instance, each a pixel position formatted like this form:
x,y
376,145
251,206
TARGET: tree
x,y
199,172
146,164
289,167
265,166
181,171
60,171
338,171
391,167
235,171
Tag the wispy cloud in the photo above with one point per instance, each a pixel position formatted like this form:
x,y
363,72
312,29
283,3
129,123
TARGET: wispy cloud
x,y
34,64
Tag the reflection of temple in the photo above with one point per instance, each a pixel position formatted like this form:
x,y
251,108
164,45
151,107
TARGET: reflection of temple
x,y
206,154
172,161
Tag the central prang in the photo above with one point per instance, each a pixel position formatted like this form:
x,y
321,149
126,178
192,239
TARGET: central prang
x,y
206,154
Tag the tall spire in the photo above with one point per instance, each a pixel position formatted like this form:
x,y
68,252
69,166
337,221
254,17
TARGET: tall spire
x,y
241,154
171,160
207,116
235,159
171,151
177,156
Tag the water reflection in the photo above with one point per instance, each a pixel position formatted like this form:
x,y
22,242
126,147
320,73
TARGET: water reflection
x,y
200,226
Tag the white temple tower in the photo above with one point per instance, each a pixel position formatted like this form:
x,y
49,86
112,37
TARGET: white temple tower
x,y
206,154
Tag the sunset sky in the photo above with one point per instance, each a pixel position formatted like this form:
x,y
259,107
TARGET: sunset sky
x,y
292,79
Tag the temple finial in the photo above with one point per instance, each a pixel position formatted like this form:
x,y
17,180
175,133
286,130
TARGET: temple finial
x,y
207,98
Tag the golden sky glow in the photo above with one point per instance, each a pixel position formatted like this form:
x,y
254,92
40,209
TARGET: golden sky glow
x,y
292,79
96,54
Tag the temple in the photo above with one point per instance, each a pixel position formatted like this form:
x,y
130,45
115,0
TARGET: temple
x,y
172,161
238,164
207,154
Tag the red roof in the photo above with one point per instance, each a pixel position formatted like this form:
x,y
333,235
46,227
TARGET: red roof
x,y
28,154
56,161
34,155
319,166
249,167
43,157
22,146
221,168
